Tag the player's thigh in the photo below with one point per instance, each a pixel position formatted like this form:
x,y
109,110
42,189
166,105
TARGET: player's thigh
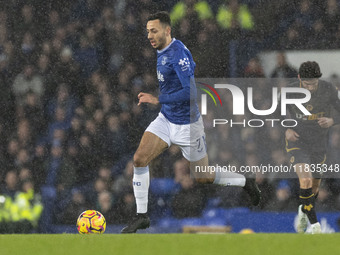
x,y
195,151
191,139
316,185
200,170
301,160
149,148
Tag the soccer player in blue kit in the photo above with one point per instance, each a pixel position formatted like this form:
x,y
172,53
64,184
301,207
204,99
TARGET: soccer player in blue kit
x,y
179,121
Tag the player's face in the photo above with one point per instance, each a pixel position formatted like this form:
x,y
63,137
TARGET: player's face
x,y
157,34
311,85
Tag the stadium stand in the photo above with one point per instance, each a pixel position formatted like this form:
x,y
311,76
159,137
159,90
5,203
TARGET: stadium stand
x,y
70,72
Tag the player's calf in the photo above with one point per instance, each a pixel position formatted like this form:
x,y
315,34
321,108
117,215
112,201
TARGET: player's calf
x,y
253,190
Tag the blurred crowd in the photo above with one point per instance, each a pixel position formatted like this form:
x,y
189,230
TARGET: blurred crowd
x,y
70,73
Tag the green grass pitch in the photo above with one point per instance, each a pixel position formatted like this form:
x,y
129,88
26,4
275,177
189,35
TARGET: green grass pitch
x,y
174,244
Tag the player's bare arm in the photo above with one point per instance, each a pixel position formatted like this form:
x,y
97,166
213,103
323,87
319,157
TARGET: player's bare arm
x,y
291,135
325,122
147,98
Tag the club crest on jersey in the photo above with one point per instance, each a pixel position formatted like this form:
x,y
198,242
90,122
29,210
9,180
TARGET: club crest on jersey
x,y
160,76
164,59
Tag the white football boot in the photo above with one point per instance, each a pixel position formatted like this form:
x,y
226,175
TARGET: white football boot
x,y
302,221
316,228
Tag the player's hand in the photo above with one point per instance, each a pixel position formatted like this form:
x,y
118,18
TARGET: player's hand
x,y
147,98
325,122
291,135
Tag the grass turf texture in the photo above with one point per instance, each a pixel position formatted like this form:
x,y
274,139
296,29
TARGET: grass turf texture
x,y
174,244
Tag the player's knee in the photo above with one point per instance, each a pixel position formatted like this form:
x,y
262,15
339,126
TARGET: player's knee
x,y
305,183
139,160
205,180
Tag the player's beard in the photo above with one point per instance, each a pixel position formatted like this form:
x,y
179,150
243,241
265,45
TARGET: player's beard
x,y
162,42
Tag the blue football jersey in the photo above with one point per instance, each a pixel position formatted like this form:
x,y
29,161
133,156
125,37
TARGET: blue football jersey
x,y
175,73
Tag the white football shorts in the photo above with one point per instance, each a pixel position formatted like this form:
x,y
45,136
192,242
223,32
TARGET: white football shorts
x,y
189,137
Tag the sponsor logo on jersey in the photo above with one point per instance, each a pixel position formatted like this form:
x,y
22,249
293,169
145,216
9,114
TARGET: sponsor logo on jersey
x,y
313,116
184,63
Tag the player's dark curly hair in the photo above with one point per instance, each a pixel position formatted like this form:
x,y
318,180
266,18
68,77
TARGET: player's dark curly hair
x,y
309,70
163,17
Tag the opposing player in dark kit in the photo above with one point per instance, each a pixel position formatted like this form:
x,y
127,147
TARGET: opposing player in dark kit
x,y
307,142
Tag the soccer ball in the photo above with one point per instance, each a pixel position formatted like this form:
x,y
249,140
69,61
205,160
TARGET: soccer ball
x,y
91,222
